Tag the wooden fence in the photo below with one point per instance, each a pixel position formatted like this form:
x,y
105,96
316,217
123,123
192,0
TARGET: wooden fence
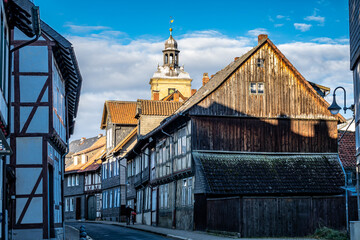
x,y
278,216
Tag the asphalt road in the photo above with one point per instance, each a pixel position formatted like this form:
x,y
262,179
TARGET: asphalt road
x,y
111,232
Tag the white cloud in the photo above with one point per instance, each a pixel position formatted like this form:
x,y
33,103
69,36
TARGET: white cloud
x,y
316,18
114,70
279,25
283,17
84,29
302,26
255,32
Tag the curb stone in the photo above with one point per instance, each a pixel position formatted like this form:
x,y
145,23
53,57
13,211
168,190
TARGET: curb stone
x,y
88,237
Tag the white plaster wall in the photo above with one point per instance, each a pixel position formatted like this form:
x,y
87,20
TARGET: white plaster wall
x,y
29,150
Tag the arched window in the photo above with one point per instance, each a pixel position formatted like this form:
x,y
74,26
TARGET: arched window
x,y
176,59
166,59
171,60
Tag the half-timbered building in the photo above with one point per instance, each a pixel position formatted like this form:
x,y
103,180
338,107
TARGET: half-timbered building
x,y
80,181
43,120
255,140
119,121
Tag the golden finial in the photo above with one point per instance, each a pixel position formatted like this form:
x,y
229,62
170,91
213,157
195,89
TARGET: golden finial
x,y
171,21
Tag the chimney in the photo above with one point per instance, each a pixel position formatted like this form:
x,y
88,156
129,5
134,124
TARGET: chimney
x,y
82,140
236,58
176,96
205,78
261,37
156,96
193,91
100,135
212,76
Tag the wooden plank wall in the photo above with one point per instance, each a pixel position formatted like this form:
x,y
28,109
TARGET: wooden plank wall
x,y
354,22
229,209
285,93
264,135
278,216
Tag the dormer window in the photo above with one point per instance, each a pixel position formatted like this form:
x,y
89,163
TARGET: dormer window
x,y
260,62
257,88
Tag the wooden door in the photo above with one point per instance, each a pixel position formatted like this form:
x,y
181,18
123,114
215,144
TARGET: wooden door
x,y
78,208
91,208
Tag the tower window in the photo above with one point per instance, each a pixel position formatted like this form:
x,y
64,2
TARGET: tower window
x,y
166,59
171,58
171,91
260,62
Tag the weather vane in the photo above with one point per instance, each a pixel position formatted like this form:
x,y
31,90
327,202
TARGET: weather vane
x,y
171,21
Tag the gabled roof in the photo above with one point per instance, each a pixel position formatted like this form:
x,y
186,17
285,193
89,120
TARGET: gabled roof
x,y
158,108
98,144
94,162
170,97
221,76
347,149
256,174
120,112
81,144
118,147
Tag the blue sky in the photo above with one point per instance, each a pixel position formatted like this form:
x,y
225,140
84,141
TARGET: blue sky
x,y
138,19
118,43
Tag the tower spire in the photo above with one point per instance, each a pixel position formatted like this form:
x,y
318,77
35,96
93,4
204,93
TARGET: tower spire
x,y
171,21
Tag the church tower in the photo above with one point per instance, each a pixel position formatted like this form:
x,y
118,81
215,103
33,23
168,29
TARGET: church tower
x,y
170,77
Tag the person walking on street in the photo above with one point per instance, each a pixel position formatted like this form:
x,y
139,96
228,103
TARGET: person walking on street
x,y
128,214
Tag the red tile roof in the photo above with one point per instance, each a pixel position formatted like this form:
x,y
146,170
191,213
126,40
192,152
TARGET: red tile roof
x,y
120,112
347,149
159,108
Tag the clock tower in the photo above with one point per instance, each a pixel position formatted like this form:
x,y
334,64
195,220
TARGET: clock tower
x,y
170,77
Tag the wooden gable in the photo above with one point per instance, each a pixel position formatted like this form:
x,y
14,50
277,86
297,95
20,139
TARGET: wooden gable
x,y
286,93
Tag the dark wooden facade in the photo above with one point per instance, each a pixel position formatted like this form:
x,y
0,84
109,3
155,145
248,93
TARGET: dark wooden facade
x,y
263,134
277,216
289,116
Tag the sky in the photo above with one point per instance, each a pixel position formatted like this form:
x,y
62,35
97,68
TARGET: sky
x,y
119,44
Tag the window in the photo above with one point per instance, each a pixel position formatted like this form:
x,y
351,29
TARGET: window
x,y
67,204
161,193
115,198
183,192
171,90
71,204
260,88
109,138
111,199
118,197
69,181
189,192
83,159
73,180
77,179
257,88
166,195
252,87
260,62
110,169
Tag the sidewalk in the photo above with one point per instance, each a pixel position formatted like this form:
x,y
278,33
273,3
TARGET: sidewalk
x,y
72,233
182,234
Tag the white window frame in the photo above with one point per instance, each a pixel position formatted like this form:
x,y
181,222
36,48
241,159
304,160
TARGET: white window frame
x,y
111,199
77,179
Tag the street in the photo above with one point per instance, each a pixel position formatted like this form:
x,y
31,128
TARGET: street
x,y
110,232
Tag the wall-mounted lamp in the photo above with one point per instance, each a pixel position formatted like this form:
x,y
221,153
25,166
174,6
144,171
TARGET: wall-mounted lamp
x,y
335,108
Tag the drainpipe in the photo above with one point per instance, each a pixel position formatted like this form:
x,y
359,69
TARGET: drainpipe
x,y
346,196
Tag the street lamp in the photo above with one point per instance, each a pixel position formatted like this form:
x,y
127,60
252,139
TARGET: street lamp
x,y
335,108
